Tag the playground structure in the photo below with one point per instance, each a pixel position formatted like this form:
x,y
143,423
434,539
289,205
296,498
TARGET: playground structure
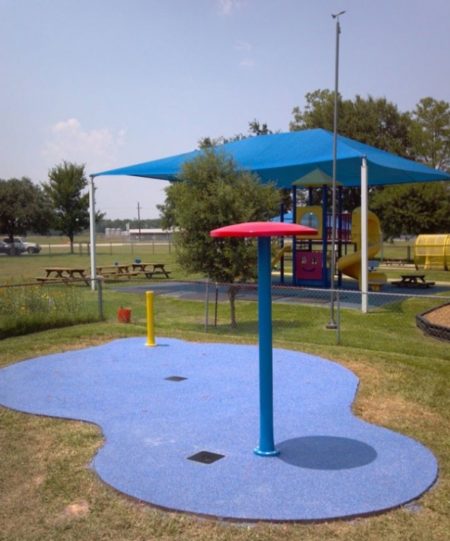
x,y
311,255
432,252
350,264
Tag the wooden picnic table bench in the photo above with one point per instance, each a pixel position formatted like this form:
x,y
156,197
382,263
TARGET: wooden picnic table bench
x,y
150,269
412,280
64,274
115,271
394,262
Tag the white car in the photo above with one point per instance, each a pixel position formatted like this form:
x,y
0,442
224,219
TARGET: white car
x,y
24,246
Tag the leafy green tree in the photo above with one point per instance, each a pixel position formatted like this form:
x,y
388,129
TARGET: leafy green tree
x,y
374,121
65,187
422,135
411,209
23,208
211,142
430,132
213,193
257,128
254,128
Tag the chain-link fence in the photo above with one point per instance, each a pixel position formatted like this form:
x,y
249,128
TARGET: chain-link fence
x,y
328,316
149,247
30,307
395,320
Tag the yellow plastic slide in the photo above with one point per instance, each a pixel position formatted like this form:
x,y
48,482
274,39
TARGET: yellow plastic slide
x,y
286,249
351,264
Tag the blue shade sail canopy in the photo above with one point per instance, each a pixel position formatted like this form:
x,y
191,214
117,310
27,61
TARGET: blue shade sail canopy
x,y
285,157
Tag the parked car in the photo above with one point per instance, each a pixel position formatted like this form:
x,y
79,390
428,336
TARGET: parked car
x,y
13,248
22,246
4,248
30,247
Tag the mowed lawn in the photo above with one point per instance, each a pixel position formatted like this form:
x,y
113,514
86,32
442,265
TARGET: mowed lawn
x,y
48,492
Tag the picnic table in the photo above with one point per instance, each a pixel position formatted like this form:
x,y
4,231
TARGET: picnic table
x,y
115,271
150,269
64,274
412,280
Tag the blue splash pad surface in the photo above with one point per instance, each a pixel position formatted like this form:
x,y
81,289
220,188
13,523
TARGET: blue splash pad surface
x,y
331,463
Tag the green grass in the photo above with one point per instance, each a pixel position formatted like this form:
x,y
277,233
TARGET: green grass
x,y
26,268
48,492
26,309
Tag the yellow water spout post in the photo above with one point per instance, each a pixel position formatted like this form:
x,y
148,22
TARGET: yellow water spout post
x,y
150,319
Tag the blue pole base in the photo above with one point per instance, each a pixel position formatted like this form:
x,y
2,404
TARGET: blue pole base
x,y
258,452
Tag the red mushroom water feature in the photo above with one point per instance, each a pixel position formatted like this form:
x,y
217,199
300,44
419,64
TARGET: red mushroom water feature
x,y
264,230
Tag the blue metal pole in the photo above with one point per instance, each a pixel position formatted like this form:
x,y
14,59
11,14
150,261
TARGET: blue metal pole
x,y
266,445
294,242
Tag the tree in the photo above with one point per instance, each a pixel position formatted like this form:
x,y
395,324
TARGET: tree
x,y
257,128
430,132
23,208
213,193
411,209
374,121
254,128
71,207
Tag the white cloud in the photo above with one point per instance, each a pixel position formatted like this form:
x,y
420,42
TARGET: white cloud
x,y
70,142
244,46
226,7
247,63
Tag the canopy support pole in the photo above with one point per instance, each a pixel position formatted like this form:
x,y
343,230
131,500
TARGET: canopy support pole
x,y
92,230
364,238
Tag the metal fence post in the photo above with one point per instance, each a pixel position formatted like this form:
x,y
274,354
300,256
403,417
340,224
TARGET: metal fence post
x,y
206,304
99,280
216,299
338,318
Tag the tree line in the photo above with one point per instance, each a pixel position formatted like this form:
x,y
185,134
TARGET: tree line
x,y
60,204
423,134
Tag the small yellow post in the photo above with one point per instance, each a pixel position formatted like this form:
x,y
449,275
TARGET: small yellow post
x,y
150,319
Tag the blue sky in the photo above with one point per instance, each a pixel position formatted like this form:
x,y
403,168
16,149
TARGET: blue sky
x,y
116,82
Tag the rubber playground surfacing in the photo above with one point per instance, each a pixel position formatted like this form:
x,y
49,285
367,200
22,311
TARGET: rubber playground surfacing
x,y
181,420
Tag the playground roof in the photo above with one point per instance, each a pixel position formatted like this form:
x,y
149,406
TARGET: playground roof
x,y
286,157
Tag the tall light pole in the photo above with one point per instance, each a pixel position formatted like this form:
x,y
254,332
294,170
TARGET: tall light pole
x,y
332,322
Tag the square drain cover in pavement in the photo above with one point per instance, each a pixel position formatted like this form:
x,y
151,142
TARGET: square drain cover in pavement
x,y
175,378
205,457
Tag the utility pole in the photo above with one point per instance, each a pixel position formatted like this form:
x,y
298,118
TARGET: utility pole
x,y
139,220
332,322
